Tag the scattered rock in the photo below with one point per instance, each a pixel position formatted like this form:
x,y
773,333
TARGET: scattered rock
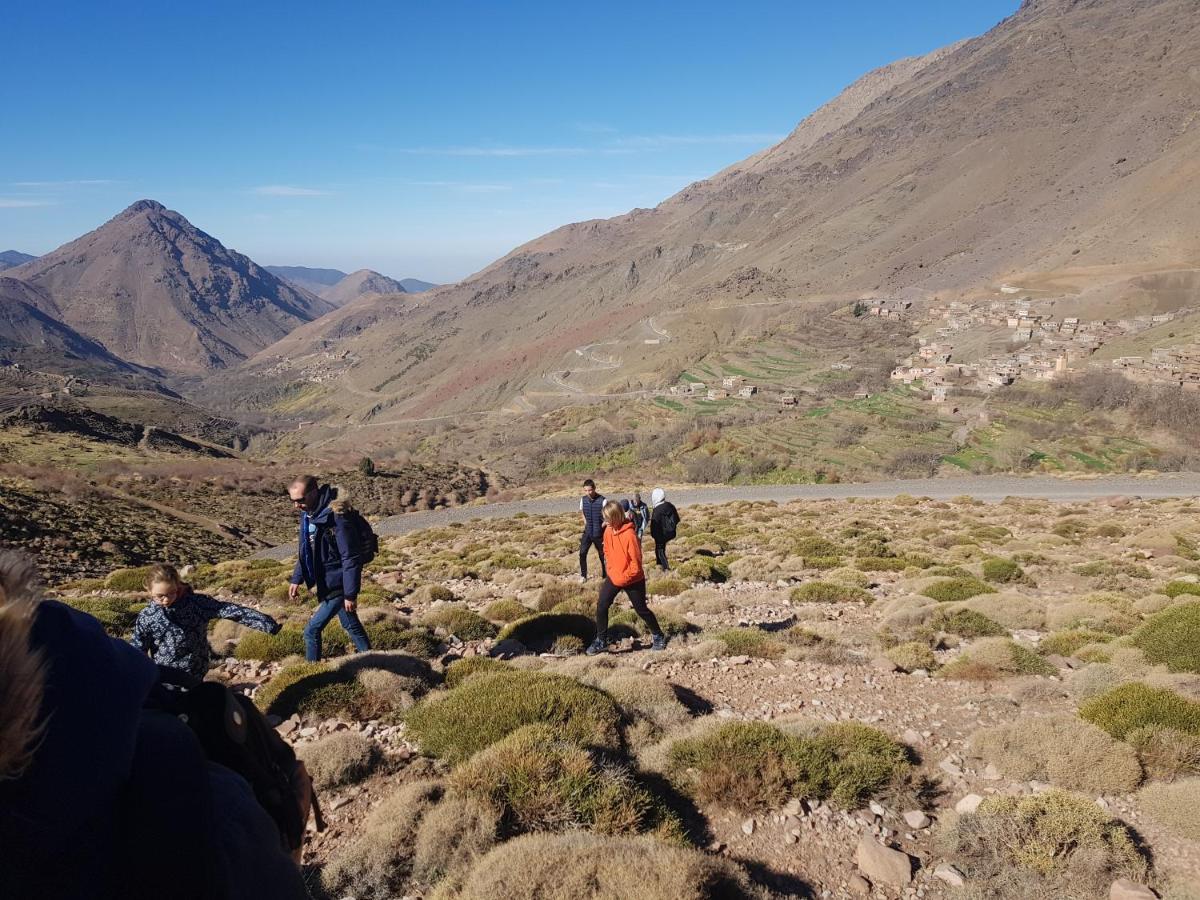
x,y
1126,889
792,808
968,804
748,826
950,767
949,874
508,647
859,886
883,864
914,818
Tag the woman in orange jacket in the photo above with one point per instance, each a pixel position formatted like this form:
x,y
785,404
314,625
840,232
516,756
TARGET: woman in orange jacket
x,y
624,572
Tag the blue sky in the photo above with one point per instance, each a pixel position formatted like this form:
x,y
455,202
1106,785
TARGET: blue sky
x,y
418,139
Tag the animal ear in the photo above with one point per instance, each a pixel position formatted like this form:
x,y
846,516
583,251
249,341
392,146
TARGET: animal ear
x,y
22,675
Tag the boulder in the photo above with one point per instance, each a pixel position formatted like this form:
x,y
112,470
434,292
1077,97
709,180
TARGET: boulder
x,y
949,874
882,864
1126,889
968,804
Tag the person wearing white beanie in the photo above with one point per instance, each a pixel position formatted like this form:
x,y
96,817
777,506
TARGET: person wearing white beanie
x,y
664,523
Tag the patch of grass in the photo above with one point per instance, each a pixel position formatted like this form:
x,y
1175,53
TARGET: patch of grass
x,y
665,587
881,563
1172,638
1070,641
1136,705
485,708
398,636
581,864
749,642
830,592
912,656
1002,571
343,758
1174,806
505,611
538,781
558,592
966,623
1052,844
954,590
1175,589
462,669
271,647
1061,750
459,621
704,568
752,765
116,614
128,581
993,658
539,631
306,687
813,545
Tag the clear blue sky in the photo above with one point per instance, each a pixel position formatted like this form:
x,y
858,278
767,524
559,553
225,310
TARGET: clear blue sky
x,y
418,139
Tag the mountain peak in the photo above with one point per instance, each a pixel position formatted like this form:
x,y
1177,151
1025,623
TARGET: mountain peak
x,y
142,206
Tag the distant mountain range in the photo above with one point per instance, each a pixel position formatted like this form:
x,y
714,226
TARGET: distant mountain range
x,y
325,282
156,291
11,258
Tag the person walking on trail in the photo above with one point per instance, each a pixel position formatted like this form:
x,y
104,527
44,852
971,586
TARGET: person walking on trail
x,y
331,559
641,514
623,551
664,522
591,511
173,628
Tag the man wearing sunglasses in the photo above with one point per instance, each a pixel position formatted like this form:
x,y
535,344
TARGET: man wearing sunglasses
x,y
330,560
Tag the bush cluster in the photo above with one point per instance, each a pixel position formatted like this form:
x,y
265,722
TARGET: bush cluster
x,y
1172,638
830,592
1136,705
952,590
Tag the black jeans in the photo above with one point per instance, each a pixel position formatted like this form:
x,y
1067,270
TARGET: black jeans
x,y
660,554
585,543
637,596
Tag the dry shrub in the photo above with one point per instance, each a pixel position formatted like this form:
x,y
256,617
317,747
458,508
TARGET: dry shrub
x,y
461,669
955,590
1174,806
1093,679
649,701
541,630
965,623
451,837
749,642
376,864
386,693
1088,614
1013,611
1069,642
991,658
912,656
505,611
1166,753
707,601
536,780
1049,845
485,708
578,864
1062,750
557,592
346,757
460,621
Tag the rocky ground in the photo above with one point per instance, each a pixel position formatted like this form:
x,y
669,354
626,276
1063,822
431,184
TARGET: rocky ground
x,y
762,637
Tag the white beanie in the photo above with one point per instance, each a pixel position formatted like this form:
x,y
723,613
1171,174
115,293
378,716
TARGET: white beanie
x,y
657,496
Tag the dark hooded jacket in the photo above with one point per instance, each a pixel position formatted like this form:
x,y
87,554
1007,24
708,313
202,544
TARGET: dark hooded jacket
x,y
330,553
119,800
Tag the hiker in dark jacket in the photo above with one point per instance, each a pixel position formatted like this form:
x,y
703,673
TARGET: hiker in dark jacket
x,y
664,520
591,510
101,799
329,560
641,514
173,628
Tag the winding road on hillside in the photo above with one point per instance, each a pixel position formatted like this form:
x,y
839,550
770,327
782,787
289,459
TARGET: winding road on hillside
x,y
988,488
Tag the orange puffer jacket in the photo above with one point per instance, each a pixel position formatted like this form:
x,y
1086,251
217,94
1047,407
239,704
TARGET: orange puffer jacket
x,y
623,555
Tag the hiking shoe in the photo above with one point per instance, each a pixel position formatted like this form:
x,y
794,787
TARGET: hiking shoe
x,y
599,645
583,579
659,642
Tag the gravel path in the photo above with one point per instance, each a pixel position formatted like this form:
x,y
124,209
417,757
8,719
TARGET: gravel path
x,y
989,488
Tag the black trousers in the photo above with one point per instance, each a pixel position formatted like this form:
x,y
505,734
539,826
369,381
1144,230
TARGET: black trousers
x,y
586,543
660,554
637,596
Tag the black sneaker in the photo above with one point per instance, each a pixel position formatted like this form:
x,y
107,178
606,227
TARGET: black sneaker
x,y
659,642
599,645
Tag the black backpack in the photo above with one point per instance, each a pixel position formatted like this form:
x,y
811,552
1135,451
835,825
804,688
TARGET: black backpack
x,y
368,540
235,734
670,522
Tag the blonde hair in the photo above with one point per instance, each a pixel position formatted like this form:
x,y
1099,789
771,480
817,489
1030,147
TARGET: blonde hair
x,y
162,574
613,514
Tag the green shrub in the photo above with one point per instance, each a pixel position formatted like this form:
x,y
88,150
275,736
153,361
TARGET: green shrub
x,y
505,611
1002,571
461,669
749,642
309,688
399,636
1051,844
830,592
992,658
116,614
538,781
1070,641
557,592
665,587
882,563
822,562
539,631
569,645
954,590
704,568
912,656
1172,638
966,623
948,572
1136,705
271,647
128,581
1174,588
812,545
753,765
483,709
461,622
1166,753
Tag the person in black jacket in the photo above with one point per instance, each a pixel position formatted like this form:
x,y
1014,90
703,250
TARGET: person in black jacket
x,y
102,796
329,560
173,628
664,520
